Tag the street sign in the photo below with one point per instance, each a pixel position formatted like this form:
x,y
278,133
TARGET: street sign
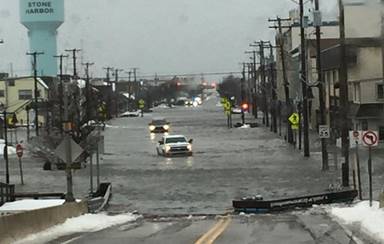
x,y
294,119
370,138
324,131
355,138
76,151
19,150
141,103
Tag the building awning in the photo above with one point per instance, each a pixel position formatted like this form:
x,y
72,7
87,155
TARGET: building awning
x,y
366,111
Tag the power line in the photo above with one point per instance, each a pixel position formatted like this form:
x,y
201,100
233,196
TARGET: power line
x,y
187,74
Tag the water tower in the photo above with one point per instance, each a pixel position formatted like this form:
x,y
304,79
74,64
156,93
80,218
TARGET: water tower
x,y
42,18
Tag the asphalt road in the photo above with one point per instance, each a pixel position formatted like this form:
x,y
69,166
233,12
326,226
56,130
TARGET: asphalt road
x,y
288,228
227,164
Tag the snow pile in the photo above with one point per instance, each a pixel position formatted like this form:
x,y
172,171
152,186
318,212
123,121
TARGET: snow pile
x,y
370,219
30,204
245,126
84,223
11,150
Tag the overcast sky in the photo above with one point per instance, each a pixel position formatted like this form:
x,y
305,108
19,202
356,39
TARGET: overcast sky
x,y
157,36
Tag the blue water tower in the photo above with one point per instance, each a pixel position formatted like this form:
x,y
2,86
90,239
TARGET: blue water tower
x,y
42,18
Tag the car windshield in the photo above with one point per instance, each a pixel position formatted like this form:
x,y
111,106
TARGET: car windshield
x,y
159,122
175,140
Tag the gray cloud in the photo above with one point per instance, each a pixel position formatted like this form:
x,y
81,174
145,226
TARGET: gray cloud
x,y
163,36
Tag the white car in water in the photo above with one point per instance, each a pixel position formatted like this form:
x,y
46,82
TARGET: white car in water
x,y
172,145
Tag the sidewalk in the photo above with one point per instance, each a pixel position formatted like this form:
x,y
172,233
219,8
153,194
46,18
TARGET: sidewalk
x,y
358,218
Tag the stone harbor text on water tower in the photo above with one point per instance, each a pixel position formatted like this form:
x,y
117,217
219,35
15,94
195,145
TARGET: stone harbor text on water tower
x,y
42,19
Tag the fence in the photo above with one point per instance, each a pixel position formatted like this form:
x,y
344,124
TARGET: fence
x,y
7,193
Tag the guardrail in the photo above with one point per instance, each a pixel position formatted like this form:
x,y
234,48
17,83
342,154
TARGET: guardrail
x,y
7,193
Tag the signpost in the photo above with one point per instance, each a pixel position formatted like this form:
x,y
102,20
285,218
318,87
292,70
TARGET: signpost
x,y
141,106
324,131
227,110
355,138
19,153
370,139
295,120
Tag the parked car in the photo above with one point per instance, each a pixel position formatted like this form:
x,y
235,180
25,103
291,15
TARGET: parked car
x,y
172,145
236,110
133,113
159,126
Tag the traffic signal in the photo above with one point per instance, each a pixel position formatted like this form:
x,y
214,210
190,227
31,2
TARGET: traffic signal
x,y
244,106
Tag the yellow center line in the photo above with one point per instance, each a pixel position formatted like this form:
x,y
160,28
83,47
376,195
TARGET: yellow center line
x,y
215,231
219,231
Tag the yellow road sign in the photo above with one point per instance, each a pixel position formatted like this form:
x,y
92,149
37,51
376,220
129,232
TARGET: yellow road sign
x,y
294,119
295,127
141,103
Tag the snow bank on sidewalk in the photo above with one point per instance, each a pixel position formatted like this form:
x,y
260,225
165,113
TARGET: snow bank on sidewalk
x,y
81,224
30,204
371,219
11,150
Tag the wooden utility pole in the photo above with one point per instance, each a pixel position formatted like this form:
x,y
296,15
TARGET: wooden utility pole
x,y
5,152
108,80
61,90
242,94
262,45
68,152
280,44
135,82
273,88
88,91
303,80
117,91
36,92
324,152
254,90
74,51
343,79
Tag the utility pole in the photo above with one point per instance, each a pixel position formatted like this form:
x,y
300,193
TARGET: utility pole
x,y
303,80
68,152
324,152
74,51
87,91
60,57
36,93
254,102
117,90
108,80
343,79
288,104
262,45
273,87
129,82
134,81
242,94
5,152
